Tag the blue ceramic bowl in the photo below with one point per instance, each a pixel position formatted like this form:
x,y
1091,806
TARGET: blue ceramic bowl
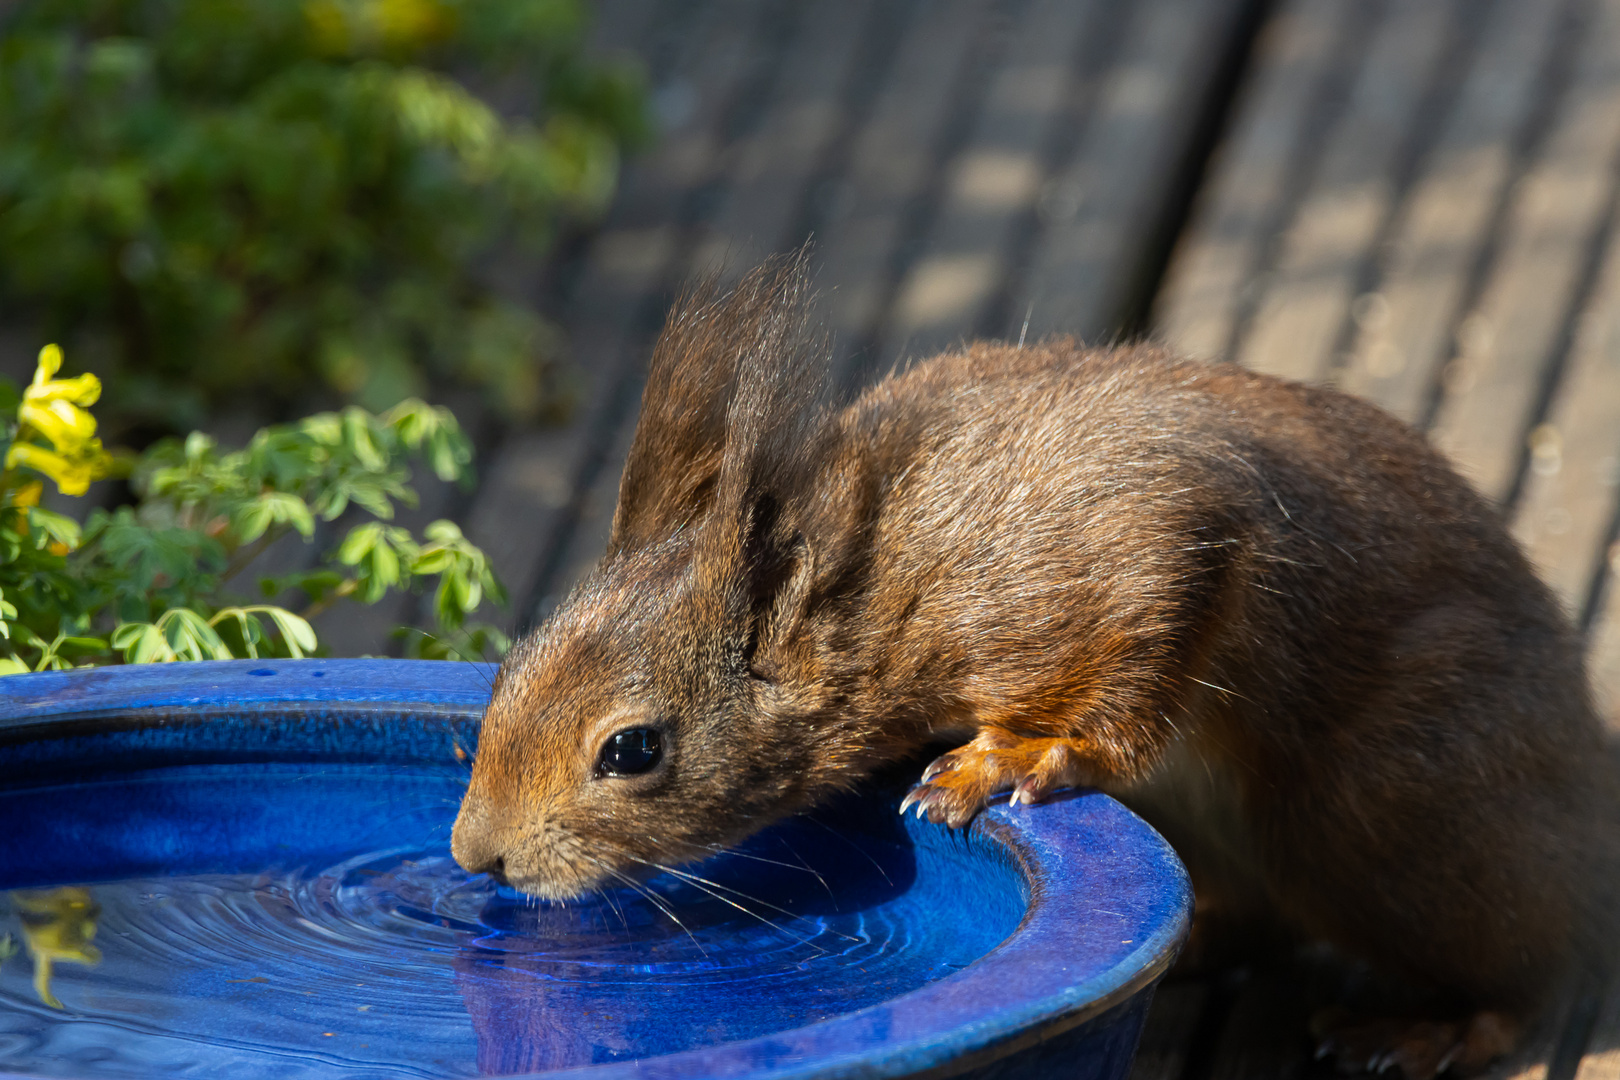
x,y
242,869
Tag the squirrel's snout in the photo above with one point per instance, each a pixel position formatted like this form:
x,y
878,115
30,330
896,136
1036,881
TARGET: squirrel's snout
x,y
497,870
474,858
479,859
477,846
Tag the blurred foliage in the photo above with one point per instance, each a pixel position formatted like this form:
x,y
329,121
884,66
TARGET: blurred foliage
x,y
153,581
217,199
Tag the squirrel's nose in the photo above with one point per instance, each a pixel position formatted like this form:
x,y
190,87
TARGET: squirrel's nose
x,y
477,859
477,847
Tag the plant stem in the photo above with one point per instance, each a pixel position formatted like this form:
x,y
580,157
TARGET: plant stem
x,y
346,588
244,556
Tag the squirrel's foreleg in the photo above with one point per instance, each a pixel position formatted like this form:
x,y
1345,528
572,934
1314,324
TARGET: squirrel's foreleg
x,y
958,783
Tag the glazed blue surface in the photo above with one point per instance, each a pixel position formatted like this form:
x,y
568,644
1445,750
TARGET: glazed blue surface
x,y
268,846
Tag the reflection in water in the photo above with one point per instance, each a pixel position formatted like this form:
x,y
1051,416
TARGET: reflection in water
x,y
345,941
549,986
57,924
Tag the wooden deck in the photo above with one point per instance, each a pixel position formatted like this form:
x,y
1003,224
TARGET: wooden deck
x,y
1414,200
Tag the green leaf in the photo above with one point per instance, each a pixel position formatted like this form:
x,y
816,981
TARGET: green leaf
x,y
360,441
252,519
295,631
56,527
142,643
190,637
248,627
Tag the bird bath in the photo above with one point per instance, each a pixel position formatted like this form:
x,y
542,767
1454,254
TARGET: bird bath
x,y
242,869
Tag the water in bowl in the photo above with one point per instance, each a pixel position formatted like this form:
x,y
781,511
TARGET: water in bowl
x,y
264,919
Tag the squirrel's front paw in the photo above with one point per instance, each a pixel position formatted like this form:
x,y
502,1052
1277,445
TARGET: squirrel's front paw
x,y
1417,1049
958,783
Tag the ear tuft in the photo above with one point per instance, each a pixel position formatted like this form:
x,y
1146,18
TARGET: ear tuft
x,y
730,411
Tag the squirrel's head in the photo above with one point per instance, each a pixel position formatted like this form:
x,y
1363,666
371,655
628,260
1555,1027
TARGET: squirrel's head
x,y
647,724
637,729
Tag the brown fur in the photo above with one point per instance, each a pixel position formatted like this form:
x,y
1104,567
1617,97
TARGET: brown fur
x,y
1269,616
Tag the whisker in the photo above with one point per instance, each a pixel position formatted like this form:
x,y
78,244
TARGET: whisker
x,y
853,844
694,878
721,849
607,898
652,898
704,885
792,851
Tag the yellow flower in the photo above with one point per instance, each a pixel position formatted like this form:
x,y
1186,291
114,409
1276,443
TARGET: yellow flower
x,y
81,389
26,494
67,426
409,24
72,475
345,27
52,409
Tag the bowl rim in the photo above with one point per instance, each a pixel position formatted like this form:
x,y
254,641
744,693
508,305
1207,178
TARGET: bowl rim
x,y
1029,991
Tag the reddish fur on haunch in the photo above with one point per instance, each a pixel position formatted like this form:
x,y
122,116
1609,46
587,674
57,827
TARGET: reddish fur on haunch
x,y
1268,616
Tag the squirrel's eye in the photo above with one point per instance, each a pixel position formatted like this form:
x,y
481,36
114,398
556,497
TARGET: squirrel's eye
x,y
629,752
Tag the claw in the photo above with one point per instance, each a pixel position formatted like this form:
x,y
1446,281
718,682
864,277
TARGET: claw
x,y
1028,791
941,764
913,796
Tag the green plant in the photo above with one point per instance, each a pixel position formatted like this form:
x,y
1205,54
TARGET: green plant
x,y
296,185
154,581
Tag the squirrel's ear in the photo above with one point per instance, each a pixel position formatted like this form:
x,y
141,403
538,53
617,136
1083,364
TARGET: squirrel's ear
x,y
674,459
781,569
729,405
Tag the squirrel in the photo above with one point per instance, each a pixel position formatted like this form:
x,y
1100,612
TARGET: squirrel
x,y
1268,616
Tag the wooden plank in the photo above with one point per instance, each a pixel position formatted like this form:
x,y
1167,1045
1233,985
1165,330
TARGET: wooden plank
x,y
1266,1031
1405,329
1167,1035
1117,186
595,519
755,194
1532,1060
628,262
1492,387
994,181
1265,1035
1601,1060
767,172
1569,495
892,159
1603,646
1211,273
1334,228
525,490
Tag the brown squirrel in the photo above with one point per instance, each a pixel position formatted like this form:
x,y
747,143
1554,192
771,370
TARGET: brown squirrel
x,y
1268,616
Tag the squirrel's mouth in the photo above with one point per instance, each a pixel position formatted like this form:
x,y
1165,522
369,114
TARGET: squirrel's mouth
x,y
573,879
541,889
549,887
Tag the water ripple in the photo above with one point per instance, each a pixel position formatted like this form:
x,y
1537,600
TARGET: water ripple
x,y
389,960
